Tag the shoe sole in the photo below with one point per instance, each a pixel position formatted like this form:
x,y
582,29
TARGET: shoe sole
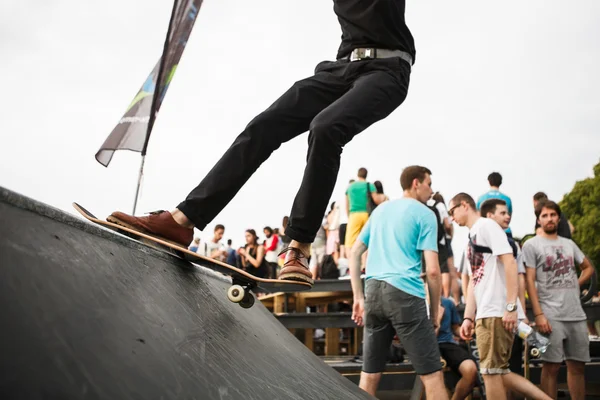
x,y
117,221
294,276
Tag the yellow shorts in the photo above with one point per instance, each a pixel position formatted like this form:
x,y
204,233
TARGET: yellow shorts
x,y
356,221
494,344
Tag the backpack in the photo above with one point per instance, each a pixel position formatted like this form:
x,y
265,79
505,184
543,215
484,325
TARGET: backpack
x,y
441,231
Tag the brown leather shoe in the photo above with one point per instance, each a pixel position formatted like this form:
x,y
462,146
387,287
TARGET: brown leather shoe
x,y
158,223
295,266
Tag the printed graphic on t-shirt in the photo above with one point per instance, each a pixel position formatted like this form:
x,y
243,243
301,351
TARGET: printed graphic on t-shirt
x,y
477,262
561,266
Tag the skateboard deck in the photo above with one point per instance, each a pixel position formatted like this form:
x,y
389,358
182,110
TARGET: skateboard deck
x,y
526,366
242,281
529,353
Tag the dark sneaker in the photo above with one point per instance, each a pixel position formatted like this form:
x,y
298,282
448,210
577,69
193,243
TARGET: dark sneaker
x,y
158,223
295,266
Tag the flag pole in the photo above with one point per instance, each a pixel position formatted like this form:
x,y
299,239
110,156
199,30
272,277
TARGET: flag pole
x,y
155,97
139,184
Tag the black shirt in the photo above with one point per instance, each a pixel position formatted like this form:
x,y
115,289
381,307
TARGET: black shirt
x,y
373,23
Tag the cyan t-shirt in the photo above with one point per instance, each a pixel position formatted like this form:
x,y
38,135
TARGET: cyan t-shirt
x,y
396,234
495,194
450,318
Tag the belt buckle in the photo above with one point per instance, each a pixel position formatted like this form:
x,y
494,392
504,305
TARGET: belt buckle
x,y
361,54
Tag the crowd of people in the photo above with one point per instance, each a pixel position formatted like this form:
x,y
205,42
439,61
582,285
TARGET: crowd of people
x,y
407,259
365,234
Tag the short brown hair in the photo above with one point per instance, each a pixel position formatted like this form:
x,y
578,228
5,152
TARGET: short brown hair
x,y
547,204
540,196
362,173
219,226
495,179
409,174
489,206
459,198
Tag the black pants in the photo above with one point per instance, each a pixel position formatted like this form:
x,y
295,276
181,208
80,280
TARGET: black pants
x,y
341,100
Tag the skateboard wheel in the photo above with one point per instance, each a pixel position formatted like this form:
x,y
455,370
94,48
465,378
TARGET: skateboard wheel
x,y
236,293
535,352
247,301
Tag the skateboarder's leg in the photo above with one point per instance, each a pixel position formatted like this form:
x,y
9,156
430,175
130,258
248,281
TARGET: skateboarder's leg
x,y
285,119
373,96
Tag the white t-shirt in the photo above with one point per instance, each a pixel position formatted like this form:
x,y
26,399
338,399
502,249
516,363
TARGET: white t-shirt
x,y
206,249
486,270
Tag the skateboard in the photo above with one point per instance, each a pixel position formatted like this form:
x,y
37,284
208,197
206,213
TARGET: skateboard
x,y
242,281
472,348
529,353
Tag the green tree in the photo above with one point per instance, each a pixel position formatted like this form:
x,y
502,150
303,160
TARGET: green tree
x,y
582,207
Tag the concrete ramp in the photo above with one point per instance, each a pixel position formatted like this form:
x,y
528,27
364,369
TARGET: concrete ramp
x,y
88,314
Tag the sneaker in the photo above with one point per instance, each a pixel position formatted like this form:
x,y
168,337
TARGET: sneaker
x,y
158,223
295,266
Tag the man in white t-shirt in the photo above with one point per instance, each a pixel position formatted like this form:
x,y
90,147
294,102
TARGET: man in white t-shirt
x,y
497,210
491,300
214,248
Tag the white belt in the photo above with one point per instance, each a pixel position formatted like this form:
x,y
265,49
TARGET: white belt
x,y
370,53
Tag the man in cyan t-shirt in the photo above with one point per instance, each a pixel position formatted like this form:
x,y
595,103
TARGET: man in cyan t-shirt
x,y
398,234
495,180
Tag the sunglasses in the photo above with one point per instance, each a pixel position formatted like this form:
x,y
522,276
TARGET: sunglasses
x,y
451,211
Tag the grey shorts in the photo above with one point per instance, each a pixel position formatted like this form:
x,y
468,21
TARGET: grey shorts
x,y
390,311
569,340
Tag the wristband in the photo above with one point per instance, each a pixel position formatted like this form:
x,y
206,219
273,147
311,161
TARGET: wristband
x,y
535,316
468,319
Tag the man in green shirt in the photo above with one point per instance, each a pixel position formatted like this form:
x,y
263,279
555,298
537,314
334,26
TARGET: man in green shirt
x,y
361,198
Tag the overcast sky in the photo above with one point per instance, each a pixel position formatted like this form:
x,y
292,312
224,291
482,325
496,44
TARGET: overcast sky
x,y
510,87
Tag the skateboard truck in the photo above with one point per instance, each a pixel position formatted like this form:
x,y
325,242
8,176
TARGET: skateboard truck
x,y
239,293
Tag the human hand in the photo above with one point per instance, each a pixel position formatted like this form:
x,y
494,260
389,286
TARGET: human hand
x,y
466,330
358,311
510,321
542,324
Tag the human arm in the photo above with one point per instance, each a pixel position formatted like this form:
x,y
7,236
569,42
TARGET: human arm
x,y
378,198
512,290
439,319
434,284
347,205
273,245
448,226
571,227
522,286
355,269
587,271
456,330
540,319
242,253
260,254
465,278
468,324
